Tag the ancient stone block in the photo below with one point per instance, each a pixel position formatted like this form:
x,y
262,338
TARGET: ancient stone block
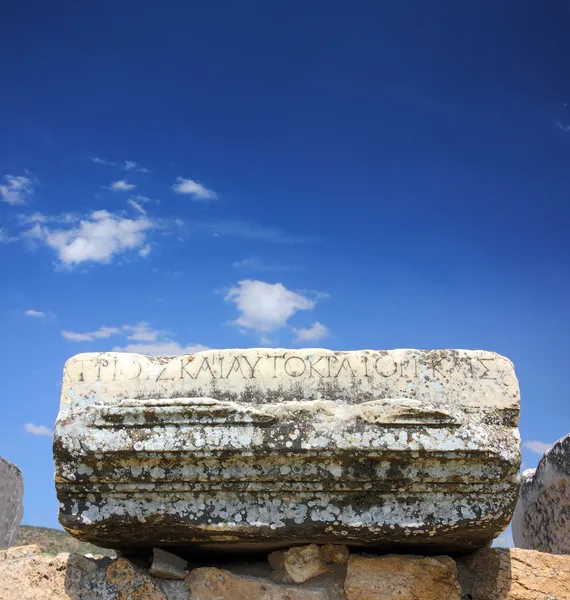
x,y
264,448
218,584
401,577
515,574
11,507
542,515
298,564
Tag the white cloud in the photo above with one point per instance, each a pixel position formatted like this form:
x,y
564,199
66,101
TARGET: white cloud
x,y
39,217
122,186
145,250
131,165
317,331
265,307
17,190
564,128
144,340
537,447
38,429
136,205
97,238
161,348
34,313
90,336
142,332
141,198
102,161
194,189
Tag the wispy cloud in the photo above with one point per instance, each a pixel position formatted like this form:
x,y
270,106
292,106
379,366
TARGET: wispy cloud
x,y
250,231
16,190
194,189
141,338
131,165
102,161
564,128
317,331
38,429
136,205
90,336
97,238
537,447
265,307
37,314
255,264
122,186
161,348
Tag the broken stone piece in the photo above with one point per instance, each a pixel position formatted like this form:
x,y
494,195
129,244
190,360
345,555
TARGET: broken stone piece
x,y
399,577
542,516
217,584
11,502
167,565
263,449
298,564
335,553
129,582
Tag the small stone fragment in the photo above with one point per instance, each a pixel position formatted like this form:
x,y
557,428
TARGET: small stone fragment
x,y
131,583
217,584
11,506
335,553
298,564
515,574
542,515
167,565
401,577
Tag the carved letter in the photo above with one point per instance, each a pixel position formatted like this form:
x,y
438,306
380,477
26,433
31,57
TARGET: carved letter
x,y
236,366
312,367
484,376
342,364
295,374
254,366
205,366
387,374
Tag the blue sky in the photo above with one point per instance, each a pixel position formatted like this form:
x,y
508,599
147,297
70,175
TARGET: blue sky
x,y
372,175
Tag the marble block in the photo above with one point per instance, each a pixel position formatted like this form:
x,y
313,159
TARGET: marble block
x,y
266,448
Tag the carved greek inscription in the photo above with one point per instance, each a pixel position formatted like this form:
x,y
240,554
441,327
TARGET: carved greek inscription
x,y
376,366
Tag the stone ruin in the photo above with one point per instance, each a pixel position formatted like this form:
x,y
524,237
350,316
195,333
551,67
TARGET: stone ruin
x,y
261,449
11,506
542,516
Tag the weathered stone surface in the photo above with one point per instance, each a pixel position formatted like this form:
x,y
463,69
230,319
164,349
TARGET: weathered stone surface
x,y
217,584
167,565
542,515
27,575
298,564
401,577
261,449
131,583
514,574
11,507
